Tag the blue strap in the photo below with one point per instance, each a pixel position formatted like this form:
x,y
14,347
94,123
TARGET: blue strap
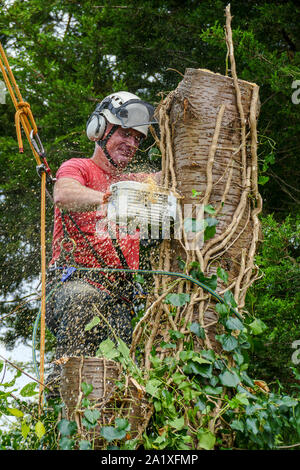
x,y
67,273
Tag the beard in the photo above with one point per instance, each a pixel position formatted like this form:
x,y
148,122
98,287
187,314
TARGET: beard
x,y
123,154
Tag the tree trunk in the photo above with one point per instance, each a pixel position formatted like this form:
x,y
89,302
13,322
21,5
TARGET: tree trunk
x,y
208,144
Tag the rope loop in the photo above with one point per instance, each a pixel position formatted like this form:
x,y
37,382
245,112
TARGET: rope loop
x,y
23,109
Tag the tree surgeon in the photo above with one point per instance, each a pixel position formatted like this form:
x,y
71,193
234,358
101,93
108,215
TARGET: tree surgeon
x,y
82,237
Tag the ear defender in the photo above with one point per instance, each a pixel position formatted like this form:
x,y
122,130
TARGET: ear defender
x,y
96,125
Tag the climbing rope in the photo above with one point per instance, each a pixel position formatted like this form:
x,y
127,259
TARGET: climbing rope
x,y
24,118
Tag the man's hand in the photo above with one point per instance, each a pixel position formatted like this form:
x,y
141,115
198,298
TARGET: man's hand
x,y
106,196
102,208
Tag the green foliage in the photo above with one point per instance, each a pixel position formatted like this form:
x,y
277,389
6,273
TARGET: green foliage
x,y
28,430
66,56
180,386
191,391
274,301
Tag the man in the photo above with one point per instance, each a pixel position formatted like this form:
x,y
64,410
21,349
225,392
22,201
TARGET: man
x,y
81,192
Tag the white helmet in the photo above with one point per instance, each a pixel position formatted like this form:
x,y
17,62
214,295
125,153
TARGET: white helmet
x,y
122,109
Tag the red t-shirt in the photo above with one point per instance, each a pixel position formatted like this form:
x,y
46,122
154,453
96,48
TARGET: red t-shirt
x,y
89,174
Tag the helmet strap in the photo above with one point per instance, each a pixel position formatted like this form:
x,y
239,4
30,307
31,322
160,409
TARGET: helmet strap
x,y
102,143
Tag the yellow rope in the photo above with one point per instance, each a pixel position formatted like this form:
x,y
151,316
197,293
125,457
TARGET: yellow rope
x,y
24,117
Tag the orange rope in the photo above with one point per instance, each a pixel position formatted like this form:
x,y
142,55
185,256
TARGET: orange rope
x,y
25,118
43,285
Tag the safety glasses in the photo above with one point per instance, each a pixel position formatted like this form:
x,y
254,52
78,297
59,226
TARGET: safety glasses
x,y
133,113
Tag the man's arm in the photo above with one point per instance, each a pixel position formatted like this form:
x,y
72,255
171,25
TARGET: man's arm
x,y
69,194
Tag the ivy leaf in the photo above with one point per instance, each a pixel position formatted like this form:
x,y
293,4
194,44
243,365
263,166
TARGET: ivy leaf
x,y
229,299
85,403
198,274
123,348
210,229
246,379
196,193
257,326
240,399
222,309
185,356
66,427
152,387
177,423
201,404
197,330
154,154
194,225
94,322
238,358
86,388
85,445
177,300
209,233
209,209
263,179
168,345
222,274
251,425
237,425
28,390
229,379
122,424
200,360
229,342
209,390
234,324
206,440
205,370
110,433
181,263
108,349
287,401
92,416
139,278
174,334
65,443
192,367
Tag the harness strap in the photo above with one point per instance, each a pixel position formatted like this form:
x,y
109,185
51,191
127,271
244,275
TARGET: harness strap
x,y
96,255
117,247
102,143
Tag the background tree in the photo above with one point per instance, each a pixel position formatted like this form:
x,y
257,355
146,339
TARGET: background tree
x,y
68,55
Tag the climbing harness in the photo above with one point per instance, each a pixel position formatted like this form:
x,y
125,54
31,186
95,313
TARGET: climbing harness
x,y
127,279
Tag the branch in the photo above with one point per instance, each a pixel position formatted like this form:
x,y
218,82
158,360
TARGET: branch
x,y
23,372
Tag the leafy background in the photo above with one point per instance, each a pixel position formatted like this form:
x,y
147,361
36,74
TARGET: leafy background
x,y
67,55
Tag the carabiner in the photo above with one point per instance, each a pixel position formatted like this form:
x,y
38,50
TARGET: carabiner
x,y
37,146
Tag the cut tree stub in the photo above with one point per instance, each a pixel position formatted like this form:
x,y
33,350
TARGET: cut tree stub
x,y
211,156
106,395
